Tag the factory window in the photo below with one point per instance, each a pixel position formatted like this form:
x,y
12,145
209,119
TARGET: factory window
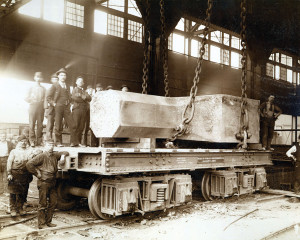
x,y
235,42
216,36
215,54
100,22
270,70
235,60
133,9
170,42
54,10
225,56
180,25
283,73
178,43
289,75
277,72
135,31
226,39
118,5
75,14
195,48
115,25
33,9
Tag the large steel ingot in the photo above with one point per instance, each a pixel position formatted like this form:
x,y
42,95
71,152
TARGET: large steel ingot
x,y
125,114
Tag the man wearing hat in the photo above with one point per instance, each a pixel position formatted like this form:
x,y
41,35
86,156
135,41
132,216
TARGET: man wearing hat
x,y
269,113
109,87
59,97
35,97
45,166
124,88
99,87
81,101
17,175
49,110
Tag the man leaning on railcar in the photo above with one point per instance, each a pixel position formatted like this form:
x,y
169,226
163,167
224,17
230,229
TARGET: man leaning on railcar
x,y
45,167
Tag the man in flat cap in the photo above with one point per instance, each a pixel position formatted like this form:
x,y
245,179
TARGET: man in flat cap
x,y
99,87
59,97
49,110
45,166
17,175
35,97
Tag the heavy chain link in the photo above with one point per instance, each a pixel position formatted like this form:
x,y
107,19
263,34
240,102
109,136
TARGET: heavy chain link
x,y
243,134
182,127
164,47
146,50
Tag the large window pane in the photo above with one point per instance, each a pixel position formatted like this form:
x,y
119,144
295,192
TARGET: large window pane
x,y
289,75
33,9
270,70
216,36
215,54
194,48
277,72
235,60
235,42
117,5
100,22
54,10
180,24
178,43
75,15
133,9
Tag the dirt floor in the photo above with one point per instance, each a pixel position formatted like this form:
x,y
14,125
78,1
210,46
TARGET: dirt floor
x,y
199,220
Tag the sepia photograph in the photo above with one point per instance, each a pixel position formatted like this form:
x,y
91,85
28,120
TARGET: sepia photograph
x,y
149,119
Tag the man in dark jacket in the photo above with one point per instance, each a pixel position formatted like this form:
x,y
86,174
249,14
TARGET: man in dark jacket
x,y
269,113
59,97
44,167
35,97
81,100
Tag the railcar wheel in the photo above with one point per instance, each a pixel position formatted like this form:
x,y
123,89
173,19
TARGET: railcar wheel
x,y
206,187
64,201
94,200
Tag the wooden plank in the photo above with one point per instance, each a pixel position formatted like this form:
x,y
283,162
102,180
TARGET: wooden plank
x,y
216,119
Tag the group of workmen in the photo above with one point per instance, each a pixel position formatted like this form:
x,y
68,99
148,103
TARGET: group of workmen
x,y
20,162
58,104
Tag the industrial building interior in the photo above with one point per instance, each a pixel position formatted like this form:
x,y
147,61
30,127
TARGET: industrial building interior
x,y
169,48
104,41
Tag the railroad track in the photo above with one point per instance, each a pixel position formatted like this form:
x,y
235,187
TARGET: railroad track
x,y
87,222
289,232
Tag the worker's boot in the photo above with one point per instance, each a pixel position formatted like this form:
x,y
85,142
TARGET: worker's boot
x,y
13,213
51,225
22,212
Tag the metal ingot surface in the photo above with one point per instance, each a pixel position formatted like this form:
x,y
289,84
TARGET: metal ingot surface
x,y
125,114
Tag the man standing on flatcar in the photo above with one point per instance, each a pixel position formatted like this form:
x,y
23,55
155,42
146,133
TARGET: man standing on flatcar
x,y
81,101
59,96
269,113
44,167
35,97
49,110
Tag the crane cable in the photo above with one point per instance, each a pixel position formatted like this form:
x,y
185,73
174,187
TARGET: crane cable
x,y
243,133
146,50
182,127
164,47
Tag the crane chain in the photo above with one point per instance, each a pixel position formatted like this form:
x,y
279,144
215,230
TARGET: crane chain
x,y
243,134
146,50
164,47
181,129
